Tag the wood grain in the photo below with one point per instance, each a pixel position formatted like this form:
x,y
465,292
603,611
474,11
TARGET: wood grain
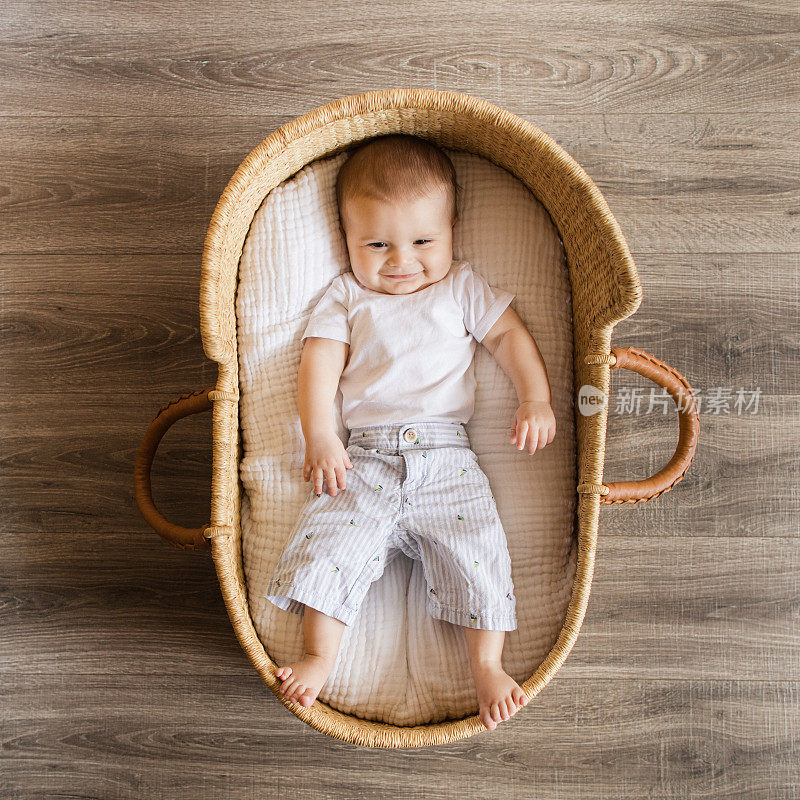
x,y
700,183
617,57
663,607
120,125
667,738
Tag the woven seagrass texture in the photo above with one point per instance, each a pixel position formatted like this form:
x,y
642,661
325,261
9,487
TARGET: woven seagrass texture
x,y
605,290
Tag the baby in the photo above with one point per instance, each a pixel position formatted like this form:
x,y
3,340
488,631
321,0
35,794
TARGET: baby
x,y
397,336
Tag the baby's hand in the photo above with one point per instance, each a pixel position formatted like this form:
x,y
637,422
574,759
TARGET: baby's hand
x,y
326,457
534,422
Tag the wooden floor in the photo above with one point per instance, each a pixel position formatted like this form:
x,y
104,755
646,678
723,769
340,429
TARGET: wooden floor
x,y
121,125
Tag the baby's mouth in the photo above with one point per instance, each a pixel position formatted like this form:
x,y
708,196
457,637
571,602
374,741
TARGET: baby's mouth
x,y
402,277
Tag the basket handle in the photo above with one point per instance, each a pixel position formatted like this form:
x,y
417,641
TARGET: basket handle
x,y
688,421
168,415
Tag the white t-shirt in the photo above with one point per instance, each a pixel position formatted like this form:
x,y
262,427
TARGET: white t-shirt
x,y
410,355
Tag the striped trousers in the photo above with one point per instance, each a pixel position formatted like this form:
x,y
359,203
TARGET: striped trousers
x,y
415,488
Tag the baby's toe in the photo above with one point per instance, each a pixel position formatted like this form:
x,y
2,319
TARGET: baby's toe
x,y
487,720
306,698
519,697
296,690
504,715
283,673
495,712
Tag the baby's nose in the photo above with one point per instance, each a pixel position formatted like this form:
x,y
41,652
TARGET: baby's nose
x,y
401,252
404,259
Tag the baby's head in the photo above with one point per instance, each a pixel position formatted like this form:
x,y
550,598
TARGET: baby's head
x,y
398,204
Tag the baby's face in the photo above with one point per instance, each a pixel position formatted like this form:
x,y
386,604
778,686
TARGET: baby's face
x,y
399,247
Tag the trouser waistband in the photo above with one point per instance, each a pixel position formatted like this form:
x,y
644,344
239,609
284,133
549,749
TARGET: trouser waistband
x,y
410,436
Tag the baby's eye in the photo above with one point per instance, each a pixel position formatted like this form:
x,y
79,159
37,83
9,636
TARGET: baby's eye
x,y
422,241
377,244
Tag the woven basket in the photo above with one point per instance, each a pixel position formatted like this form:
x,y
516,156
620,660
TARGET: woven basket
x,y
605,290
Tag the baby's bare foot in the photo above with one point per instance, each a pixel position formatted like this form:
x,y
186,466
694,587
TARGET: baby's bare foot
x,y
499,695
303,680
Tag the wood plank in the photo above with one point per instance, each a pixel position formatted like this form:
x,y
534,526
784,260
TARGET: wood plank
x,y
626,739
719,319
115,185
74,467
131,323
68,466
663,606
192,58
112,327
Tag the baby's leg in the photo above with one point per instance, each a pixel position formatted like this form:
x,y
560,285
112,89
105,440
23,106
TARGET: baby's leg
x,y
303,680
499,695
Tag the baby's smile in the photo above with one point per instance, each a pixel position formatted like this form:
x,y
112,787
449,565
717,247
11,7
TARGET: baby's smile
x,y
399,247
402,283
403,277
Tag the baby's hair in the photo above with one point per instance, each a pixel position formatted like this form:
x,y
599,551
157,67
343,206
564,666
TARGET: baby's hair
x,y
397,166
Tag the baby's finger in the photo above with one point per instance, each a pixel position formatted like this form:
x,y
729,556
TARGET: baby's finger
x,y
330,475
522,429
318,476
348,462
534,439
341,472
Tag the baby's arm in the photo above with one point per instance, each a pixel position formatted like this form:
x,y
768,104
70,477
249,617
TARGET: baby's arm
x,y
321,365
515,350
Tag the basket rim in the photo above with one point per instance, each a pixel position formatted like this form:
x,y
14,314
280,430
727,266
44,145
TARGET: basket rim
x,y
351,106
320,716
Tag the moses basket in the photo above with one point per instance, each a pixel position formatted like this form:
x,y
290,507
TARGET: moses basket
x,y
603,289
